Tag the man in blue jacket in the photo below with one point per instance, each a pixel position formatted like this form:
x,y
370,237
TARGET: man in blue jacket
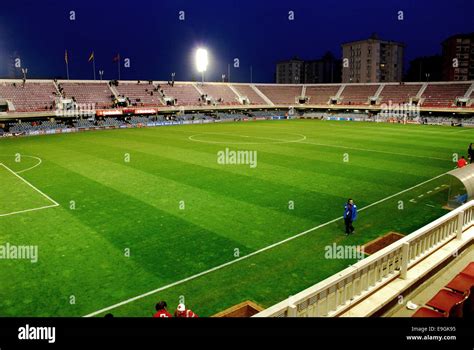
x,y
350,215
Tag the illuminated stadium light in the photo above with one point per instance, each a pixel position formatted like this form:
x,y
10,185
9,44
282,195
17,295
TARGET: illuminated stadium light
x,y
201,60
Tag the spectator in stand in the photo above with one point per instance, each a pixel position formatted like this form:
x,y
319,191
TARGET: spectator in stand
x,y
182,312
161,310
462,162
470,153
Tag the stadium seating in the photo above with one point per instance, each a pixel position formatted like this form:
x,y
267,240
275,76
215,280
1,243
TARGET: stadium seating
x,y
98,94
194,116
229,116
281,94
37,96
320,95
425,312
268,113
249,92
221,92
140,94
185,94
469,270
19,128
357,94
455,300
399,93
83,124
139,120
443,95
110,122
29,97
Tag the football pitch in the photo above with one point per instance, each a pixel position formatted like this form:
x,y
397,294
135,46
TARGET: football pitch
x,y
125,218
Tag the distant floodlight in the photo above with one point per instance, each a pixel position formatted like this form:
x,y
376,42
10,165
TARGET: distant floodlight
x,y
201,60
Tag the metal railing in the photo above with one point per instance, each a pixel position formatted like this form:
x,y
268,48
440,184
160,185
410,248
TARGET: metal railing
x,y
338,292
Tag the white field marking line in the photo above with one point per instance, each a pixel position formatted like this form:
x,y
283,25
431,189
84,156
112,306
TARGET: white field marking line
x,y
372,150
276,141
34,166
428,192
406,131
55,204
251,254
28,210
27,169
362,149
316,144
457,132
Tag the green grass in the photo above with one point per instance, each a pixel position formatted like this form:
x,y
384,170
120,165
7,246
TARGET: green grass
x,y
16,195
135,206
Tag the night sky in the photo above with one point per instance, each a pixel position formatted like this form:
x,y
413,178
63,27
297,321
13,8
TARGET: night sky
x,y
257,32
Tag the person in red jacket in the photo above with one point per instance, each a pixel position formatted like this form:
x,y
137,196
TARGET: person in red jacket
x,y
462,162
161,310
182,312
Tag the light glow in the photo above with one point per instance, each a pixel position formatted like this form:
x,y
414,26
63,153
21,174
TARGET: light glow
x,y
201,60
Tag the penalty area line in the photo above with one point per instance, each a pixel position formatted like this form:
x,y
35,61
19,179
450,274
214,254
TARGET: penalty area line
x,y
219,267
55,204
28,210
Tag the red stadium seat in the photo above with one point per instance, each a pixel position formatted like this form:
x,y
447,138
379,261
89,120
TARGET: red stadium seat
x,y
221,91
445,301
443,95
469,270
399,93
425,312
96,94
358,94
247,91
462,283
321,94
185,94
143,94
281,94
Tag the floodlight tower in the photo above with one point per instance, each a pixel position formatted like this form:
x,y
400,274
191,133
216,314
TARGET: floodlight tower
x,y
201,61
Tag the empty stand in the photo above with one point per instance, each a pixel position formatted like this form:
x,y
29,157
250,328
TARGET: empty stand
x,y
320,95
29,97
249,92
399,94
443,95
89,93
36,96
185,94
357,94
457,300
35,126
281,94
140,94
222,92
